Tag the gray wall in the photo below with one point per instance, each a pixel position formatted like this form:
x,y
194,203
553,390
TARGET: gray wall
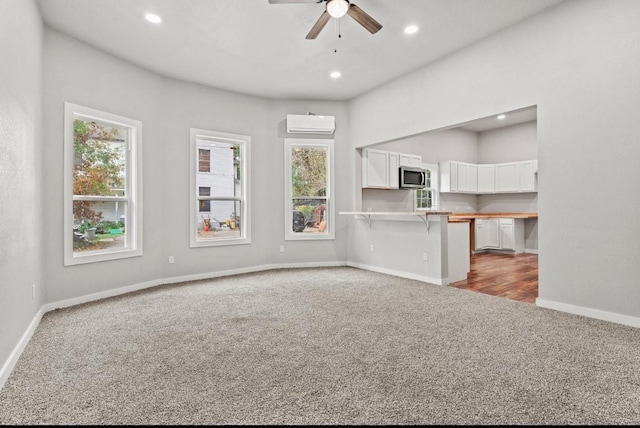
x,y
579,64
21,216
76,72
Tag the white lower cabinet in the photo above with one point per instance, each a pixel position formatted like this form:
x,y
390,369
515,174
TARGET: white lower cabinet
x,y
499,234
507,238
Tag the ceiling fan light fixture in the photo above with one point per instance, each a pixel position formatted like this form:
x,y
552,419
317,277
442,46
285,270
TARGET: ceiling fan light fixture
x,y
337,8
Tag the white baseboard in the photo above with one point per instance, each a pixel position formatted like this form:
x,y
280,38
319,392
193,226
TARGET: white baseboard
x,y
8,366
531,250
177,279
408,275
589,312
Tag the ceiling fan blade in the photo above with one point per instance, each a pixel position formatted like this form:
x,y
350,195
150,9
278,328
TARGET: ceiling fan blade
x,y
364,19
319,25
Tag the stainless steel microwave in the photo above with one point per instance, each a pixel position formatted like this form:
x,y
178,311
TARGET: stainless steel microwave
x,y
412,177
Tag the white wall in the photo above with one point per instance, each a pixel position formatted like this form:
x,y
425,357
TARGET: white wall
x,y
578,62
508,144
78,73
22,220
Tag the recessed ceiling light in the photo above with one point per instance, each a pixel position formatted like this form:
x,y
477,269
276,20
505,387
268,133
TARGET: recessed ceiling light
x,y
335,74
411,29
151,17
501,116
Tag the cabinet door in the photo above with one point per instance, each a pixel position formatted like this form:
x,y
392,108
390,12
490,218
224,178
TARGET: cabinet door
x,y
491,233
507,237
486,178
375,168
507,177
479,235
467,177
448,176
394,174
410,160
526,176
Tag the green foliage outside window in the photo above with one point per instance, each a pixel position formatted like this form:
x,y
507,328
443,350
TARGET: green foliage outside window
x,y
99,165
308,171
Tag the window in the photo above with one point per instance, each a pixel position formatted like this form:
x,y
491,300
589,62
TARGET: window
x,y
309,189
204,160
204,205
427,199
219,189
102,186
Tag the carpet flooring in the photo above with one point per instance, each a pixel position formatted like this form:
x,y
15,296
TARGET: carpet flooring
x,y
326,346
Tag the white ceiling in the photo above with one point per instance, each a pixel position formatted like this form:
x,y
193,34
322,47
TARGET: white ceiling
x,y
257,48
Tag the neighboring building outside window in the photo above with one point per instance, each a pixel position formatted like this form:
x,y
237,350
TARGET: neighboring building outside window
x,y
309,207
219,188
427,199
102,186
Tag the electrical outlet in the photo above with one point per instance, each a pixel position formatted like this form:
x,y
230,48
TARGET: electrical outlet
x,y
172,259
371,248
425,256
282,248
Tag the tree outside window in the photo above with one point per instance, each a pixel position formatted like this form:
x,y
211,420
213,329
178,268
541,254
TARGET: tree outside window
x,y
308,165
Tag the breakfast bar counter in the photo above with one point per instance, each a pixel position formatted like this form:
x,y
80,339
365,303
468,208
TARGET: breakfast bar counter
x,y
420,245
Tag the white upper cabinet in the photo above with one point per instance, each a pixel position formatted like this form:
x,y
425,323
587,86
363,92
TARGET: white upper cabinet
x,y
410,160
486,178
375,169
527,175
394,175
380,168
458,177
467,177
449,176
507,177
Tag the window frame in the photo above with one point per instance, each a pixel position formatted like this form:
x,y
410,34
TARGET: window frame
x,y
133,186
329,234
434,188
245,186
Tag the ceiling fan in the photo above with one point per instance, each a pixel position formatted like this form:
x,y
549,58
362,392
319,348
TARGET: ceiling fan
x,y
337,9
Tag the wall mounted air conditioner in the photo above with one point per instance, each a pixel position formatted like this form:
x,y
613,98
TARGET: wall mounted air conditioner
x,y
310,124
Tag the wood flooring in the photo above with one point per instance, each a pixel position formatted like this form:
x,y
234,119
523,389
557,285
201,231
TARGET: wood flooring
x,y
514,276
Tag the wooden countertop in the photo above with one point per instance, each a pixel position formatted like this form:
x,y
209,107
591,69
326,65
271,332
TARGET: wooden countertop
x,y
459,220
470,216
